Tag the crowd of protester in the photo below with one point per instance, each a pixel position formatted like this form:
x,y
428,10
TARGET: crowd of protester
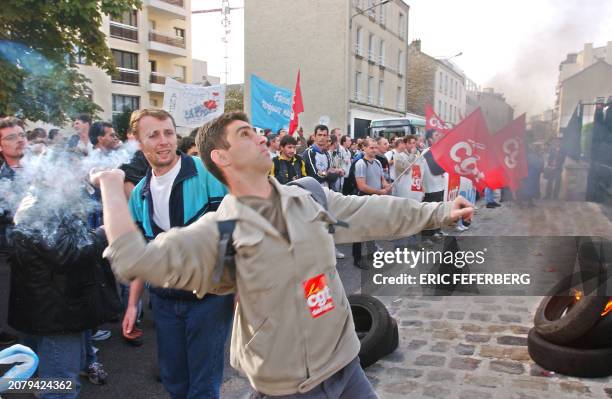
x,y
168,186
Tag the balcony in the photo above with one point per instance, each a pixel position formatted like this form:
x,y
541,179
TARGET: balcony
x,y
167,44
172,8
158,80
381,61
123,31
126,76
371,57
358,50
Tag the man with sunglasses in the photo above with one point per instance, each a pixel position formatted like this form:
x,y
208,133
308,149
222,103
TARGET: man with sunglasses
x,y
103,137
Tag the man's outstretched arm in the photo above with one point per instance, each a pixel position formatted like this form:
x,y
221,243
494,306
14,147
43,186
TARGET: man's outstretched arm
x,y
181,258
375,217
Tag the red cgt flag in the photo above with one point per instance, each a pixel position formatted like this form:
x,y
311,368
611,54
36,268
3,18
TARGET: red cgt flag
x,y
433,121
465,151
297,107
509,147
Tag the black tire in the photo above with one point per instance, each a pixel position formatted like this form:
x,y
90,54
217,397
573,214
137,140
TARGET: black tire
x,y
560,319
392,338
587,363
372,323
598,337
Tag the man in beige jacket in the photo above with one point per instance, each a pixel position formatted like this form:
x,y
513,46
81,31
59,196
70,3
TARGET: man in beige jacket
x,y
293,333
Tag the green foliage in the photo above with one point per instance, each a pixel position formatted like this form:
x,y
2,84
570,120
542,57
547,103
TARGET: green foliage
x,y
38,42
234,100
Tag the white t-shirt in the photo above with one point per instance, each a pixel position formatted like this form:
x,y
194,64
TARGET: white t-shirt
x,y
432,183
391,157
161,187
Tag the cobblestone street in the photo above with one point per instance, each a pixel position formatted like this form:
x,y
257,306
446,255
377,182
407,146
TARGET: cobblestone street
x,y
476,347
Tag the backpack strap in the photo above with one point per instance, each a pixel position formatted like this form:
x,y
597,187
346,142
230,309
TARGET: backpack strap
x,y
226,251
318,194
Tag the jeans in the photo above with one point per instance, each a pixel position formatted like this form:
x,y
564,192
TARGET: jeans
x,y
349,382
90,355
191,336
60,356
489,195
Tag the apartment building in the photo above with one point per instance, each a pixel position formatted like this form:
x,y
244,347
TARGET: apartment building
x,y
148,45
351,53
438,82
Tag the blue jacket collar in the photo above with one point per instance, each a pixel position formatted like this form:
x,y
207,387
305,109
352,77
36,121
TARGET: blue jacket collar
x,y
188,170
315,148
6,172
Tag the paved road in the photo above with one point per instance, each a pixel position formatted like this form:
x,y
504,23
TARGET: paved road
x,y
450,347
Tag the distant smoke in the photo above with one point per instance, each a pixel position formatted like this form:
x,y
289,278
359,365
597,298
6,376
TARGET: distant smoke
x,y
529,84
53,186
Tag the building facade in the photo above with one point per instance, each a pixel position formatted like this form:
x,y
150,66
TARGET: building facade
x,y
351,54
497,112
583,76
148,45
438,82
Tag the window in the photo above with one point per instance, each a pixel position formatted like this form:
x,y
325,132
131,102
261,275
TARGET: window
x,y
400,26
370,90
371,9
381,92
127,18
371,47
381,52
79,57
125,27
445,113
439,111
180,72
441,82
401,68
120,103
358,47
382,15
127,65
126,60
152,24
445,84
358,86
179,32
399,99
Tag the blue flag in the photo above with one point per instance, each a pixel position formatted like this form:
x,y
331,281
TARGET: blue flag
x,y
270,105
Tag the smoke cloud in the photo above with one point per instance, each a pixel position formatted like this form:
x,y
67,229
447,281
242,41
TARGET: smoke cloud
x,y
52,187
529,83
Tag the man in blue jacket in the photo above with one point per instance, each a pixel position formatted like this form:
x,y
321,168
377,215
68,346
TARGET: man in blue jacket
x,y
177,191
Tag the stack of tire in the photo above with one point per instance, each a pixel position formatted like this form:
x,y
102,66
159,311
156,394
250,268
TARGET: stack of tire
x,y
377,330
570,335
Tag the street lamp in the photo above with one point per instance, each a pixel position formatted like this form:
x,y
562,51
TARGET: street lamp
x,y
451,57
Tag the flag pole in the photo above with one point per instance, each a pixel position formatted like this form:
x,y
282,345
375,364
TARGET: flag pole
x,y
410,165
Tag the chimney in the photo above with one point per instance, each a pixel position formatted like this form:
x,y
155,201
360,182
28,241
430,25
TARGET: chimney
x,y
416,45
587,55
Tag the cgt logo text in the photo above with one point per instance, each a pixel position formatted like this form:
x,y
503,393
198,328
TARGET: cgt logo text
x,y
318,296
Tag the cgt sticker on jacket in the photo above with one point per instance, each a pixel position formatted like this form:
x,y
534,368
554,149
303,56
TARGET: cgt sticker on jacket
x,y
318,296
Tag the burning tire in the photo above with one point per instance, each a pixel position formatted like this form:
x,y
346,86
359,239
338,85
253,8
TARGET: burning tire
x,y
372,325
599,336
589,363
563,319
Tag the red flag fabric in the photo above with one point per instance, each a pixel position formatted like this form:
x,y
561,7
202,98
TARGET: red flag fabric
x,y
465,151
509,147
433,121
297,107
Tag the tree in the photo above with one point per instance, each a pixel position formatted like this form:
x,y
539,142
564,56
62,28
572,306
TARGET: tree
x,y
234,100
39,45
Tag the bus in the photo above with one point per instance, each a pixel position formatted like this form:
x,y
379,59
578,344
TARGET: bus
x,y
411,124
